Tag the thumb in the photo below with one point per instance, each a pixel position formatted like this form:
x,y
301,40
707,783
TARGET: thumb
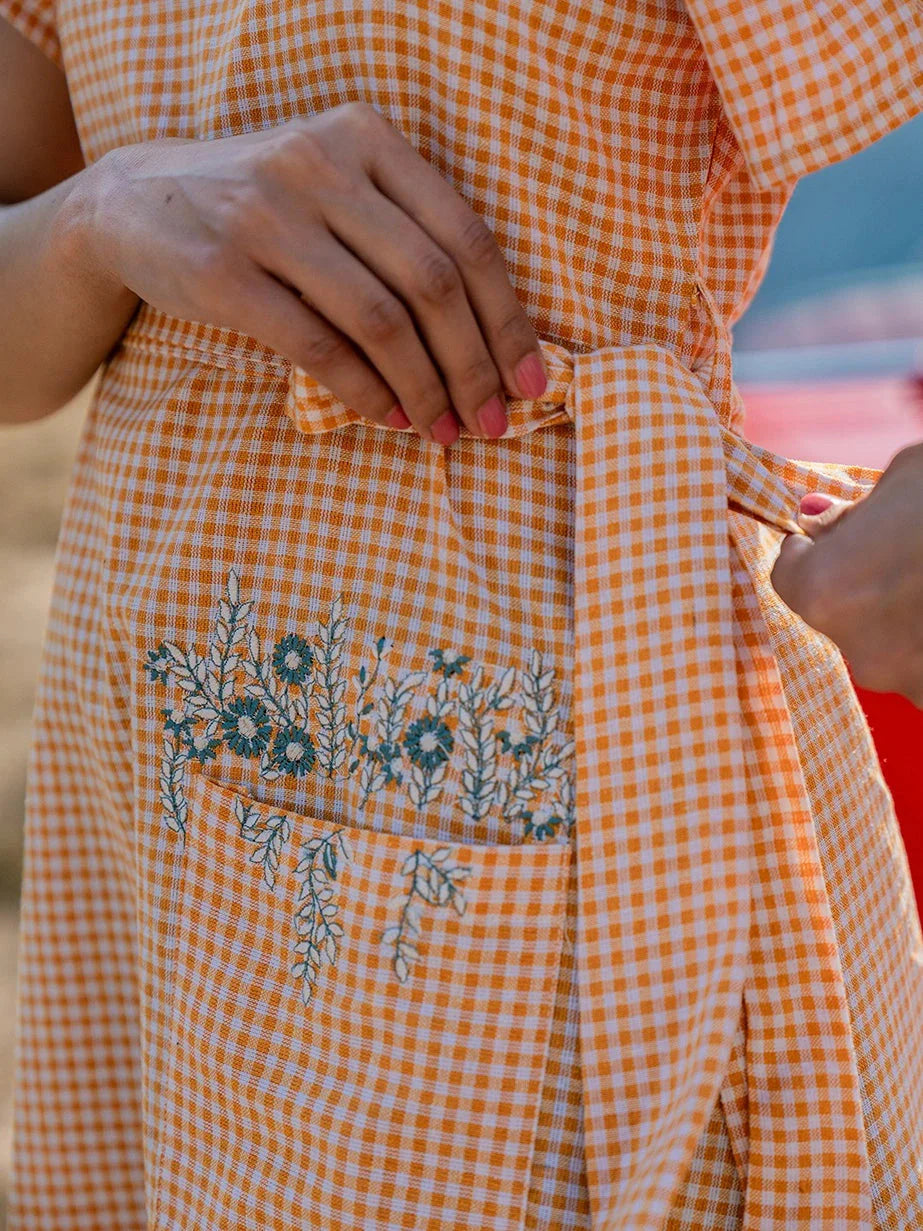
x,y
818,512
791,572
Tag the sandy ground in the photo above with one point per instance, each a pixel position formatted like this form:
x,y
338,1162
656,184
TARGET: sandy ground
x,y
35,464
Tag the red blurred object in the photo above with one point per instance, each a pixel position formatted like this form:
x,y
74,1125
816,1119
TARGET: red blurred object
x,y
897,728
863,422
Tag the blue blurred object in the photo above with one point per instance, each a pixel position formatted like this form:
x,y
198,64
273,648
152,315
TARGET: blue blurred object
x,y
856,226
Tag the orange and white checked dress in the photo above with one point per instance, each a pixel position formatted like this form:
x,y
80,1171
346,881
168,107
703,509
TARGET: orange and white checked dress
x,y
467,837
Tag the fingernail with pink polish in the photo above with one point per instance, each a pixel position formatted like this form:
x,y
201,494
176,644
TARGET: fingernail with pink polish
x,y
445,429
492,418
813,504
397,419
530,377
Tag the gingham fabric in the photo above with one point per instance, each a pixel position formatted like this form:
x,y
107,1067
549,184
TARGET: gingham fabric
x,y
423,837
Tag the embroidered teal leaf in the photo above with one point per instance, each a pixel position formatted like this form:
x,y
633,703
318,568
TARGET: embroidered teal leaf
x,y
449,662
157,664
330,859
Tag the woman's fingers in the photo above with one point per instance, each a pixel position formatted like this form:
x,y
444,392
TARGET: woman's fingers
x,y
856,576
800,576
433,203
276,316
380,281
342,288
426,278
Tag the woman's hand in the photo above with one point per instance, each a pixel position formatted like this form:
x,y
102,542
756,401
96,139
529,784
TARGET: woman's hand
x,y
332,241
858,578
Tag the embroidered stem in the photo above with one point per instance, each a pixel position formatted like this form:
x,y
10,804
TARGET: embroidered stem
x,y
382,747
263,683
222,655
477,707
172,795
315,919
331,687
365,682
434,881
538,765
270,835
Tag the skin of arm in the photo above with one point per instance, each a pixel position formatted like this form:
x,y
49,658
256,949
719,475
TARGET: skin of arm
x,y
59,316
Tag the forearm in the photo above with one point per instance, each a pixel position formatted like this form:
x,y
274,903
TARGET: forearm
x,y
60,313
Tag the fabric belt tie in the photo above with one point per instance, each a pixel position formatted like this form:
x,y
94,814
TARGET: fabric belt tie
x,y
707,960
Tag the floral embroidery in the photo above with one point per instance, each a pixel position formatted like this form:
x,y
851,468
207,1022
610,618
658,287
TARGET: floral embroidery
x,y
538,762
477,706
246,726
330,690
294,709
428,742
448,662
288,708
293,750
315,920
292,659
434,881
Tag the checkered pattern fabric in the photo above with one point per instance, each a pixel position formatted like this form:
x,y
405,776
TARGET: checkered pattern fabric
x,y
804,85
409,1080
467,837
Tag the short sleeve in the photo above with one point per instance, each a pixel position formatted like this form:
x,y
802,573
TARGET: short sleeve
x,y
35,19
808,84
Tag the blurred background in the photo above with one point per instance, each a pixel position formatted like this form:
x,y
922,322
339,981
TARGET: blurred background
x,y
829,358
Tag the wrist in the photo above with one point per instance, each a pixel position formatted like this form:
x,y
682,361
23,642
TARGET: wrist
x,y
84,232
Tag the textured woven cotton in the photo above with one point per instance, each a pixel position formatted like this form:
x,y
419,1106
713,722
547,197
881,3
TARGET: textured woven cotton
x,y
468,837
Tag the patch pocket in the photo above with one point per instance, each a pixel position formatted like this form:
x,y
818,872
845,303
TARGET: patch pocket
x,y
359,1024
